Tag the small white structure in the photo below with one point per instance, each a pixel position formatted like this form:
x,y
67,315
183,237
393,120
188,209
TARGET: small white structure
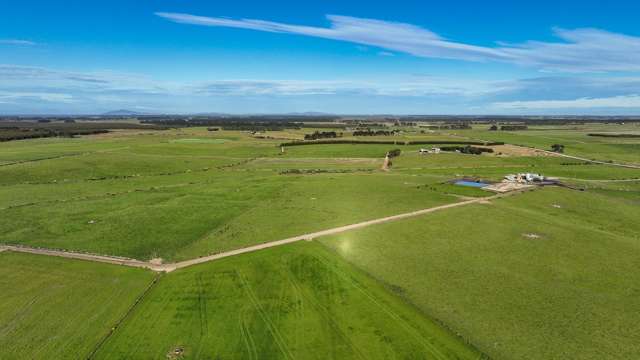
x,y
525,178
434,150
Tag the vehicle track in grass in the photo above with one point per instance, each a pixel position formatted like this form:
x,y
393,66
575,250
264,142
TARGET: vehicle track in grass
x,y
126,315
629,166
169,267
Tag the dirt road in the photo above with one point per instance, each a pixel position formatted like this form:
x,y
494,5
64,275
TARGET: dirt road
x,y
81,256
385,164
182,264
630,166
602,180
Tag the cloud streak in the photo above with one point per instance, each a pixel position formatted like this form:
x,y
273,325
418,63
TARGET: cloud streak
x,y
628,101
580,50
16,42
12,97
24,88
24,78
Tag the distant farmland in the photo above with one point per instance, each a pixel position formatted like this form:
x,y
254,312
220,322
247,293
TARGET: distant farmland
x,y
550,273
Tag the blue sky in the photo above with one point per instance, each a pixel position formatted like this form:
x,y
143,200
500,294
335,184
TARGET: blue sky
x,y
402,57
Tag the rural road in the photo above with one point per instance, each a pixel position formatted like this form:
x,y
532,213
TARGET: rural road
x,y
182,264
630,166
74,255
602,180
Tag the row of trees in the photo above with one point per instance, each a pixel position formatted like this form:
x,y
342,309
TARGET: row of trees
x,y
370,132
340,141
226,124
459,126
394,153
512,127
617,135
467,149
321,135
396,142
23,134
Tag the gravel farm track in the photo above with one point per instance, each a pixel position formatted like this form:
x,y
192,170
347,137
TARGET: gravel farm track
x,y
169,267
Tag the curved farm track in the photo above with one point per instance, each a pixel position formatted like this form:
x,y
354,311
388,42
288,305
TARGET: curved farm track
x,y
151,265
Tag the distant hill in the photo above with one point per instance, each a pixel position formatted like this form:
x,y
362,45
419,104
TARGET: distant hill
x,y
309,113
212,114
123,112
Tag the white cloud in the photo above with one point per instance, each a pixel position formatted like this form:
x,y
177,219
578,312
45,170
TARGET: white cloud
x,y
19,77
413,87
116,87
16,42
12,97
582,50
389,35
627,101
33,88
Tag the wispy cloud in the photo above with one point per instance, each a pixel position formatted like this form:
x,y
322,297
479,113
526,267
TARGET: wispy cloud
x,y
389,35
23,78
627,101
580,50
18,77
269,87
25,88
414,87
16,42
12,97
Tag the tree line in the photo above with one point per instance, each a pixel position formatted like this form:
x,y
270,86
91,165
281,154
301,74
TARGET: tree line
x,y
388,142
321,135
370,132
467,149
460,126
511,127
23,134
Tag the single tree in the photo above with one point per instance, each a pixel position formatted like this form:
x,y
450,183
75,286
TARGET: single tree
x,y
559,148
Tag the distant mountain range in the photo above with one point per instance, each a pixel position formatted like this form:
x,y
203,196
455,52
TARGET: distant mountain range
x,y
309,113
124,112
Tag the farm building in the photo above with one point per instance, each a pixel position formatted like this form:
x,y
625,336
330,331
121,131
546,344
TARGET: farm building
x,y
433,150
525,178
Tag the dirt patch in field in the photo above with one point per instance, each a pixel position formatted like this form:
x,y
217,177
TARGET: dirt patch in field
x,y
175,353
317,160
514,150
504,187
531,236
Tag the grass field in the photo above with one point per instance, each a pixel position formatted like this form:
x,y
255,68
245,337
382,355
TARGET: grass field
x,y
548,274
293,302
178,194
52,308
575,138
162,194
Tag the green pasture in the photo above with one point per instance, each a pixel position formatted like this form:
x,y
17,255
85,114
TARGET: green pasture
x,y
548,274
54,308
551,273
161,194
293,302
